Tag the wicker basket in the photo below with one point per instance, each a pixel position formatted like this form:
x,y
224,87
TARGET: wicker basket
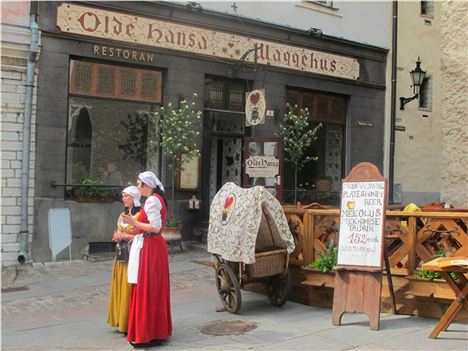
x,y
267,264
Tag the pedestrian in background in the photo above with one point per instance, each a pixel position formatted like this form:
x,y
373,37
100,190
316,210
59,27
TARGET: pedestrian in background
x,y
119,300
149,318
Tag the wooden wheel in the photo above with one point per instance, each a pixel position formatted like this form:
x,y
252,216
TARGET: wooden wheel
x,y
278,289
228,288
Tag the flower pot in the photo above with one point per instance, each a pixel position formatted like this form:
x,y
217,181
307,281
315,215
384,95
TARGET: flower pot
x,y
314,277
93,198
424,287
172,233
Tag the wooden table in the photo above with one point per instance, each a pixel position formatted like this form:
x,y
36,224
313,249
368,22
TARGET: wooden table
x,y
447,265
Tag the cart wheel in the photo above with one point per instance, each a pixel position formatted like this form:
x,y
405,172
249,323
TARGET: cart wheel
x,y
228,288
278,289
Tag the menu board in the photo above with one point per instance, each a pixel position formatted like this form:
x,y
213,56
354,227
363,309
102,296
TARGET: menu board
x,y
361,224
189,175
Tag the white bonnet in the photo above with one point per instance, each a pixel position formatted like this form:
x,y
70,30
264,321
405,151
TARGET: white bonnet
x,y
133,191
150,179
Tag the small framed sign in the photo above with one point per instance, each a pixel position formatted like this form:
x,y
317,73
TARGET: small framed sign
x,y
188,177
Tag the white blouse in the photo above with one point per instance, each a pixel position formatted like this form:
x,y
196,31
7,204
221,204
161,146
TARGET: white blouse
x,y
153,207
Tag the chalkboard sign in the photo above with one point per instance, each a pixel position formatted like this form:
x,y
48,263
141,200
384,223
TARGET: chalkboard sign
x,y
358,278
361,223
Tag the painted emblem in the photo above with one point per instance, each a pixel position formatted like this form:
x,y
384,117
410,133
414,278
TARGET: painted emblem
x,y
228,209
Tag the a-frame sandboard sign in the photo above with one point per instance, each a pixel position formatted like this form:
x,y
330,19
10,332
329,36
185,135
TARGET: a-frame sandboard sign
x,y
358,279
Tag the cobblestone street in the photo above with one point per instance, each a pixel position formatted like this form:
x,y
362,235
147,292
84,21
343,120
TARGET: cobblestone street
x,y
64,307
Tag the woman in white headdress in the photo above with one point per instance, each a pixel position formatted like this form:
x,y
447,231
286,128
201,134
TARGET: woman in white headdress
x,y
119,300
149,317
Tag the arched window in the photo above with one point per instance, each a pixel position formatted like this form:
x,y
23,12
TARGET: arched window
x,y
79,146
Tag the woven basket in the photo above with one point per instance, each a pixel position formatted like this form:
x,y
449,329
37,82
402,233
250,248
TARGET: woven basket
x,y
267,264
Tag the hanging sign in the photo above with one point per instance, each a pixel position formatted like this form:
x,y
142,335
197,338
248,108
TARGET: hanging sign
x,y
255,107
362,214
262,166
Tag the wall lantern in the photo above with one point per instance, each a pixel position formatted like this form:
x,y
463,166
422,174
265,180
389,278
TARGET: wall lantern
x,y
417,77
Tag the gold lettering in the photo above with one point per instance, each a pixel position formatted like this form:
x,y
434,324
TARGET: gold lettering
x,y
295,59
104,51
150,57
96,50
203,44
142,57
277,55
117,26
156,31
129,29
323,64
118,52
126,54
191,40
180,38
134,55
111,52
287,58
89,21
169,37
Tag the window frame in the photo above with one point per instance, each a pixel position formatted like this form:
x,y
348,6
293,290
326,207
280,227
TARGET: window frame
x,y
425,15
431,99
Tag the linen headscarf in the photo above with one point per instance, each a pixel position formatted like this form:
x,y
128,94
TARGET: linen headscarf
x,y
150,179
133,192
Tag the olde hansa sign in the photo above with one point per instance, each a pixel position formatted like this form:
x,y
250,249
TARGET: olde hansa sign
x,y
98,23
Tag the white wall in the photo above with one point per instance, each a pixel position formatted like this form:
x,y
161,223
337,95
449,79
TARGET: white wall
x,y
16,37
360,21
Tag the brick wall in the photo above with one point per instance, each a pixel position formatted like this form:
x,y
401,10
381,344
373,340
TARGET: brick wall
x,y
13,96
454,103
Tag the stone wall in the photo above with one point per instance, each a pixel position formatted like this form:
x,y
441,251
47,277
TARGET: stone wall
x,y
13,97
454,103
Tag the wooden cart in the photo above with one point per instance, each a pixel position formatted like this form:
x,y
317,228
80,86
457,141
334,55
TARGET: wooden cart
x,y
270,268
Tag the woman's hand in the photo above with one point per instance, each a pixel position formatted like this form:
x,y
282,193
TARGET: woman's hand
x,y
128,219
117,236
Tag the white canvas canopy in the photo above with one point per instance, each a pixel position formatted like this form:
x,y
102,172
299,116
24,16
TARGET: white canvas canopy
x,y
246,221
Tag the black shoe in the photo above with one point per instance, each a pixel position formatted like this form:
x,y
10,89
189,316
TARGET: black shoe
x,y
141,345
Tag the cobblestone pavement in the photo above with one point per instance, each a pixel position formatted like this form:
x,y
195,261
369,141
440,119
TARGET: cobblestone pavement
x,y
65,308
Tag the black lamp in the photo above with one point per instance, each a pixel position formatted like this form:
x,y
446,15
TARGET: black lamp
x,y
417,77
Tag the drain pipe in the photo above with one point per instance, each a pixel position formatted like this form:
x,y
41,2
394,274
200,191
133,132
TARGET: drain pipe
x,y
31,65
391,156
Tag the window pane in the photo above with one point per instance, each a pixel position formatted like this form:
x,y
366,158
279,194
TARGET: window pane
x,y
425,98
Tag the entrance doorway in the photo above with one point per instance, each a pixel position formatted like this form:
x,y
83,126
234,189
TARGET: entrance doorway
x,y
224,130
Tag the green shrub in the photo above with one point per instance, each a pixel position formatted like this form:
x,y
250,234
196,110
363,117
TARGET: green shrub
x,y
326,261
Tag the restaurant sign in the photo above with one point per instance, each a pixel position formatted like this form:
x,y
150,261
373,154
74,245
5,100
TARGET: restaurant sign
x,y
262,166
139,30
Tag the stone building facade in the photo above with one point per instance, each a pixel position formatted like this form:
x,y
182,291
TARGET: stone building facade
x,y
454,117
16,39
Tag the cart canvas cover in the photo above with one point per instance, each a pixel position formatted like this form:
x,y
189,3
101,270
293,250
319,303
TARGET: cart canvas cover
x,y
238,216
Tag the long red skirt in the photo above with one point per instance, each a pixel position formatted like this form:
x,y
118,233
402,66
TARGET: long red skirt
x,y
149,316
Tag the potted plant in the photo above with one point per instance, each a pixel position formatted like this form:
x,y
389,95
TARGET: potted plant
x,y
92,191
321,272
429,283
297,136
179,134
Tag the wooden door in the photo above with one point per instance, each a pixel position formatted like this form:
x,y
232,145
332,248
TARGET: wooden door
x,y
263,164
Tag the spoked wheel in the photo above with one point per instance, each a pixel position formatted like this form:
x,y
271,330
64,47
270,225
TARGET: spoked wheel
x,y
278,289
228,288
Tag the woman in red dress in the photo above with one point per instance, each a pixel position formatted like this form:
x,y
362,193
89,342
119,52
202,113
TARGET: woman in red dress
x,y
149,317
